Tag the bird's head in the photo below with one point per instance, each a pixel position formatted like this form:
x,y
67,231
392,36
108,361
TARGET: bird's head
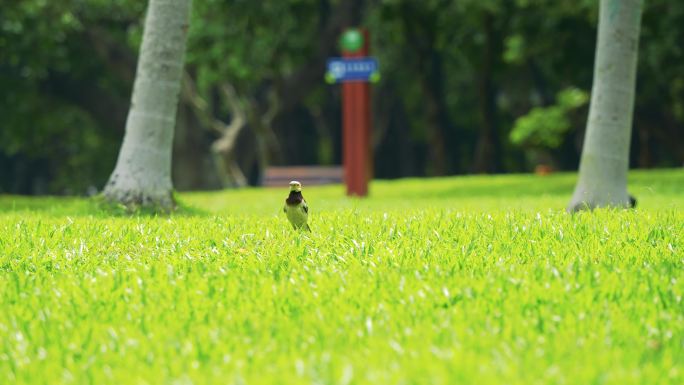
x,y
295,186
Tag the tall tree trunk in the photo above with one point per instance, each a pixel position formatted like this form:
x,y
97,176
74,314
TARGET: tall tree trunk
x,y
437,122
605,154
488,147
142,176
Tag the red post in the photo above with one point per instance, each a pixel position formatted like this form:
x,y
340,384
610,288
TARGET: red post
x,y
356,130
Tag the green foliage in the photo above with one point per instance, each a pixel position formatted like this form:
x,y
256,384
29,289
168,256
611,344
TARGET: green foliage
x,y
390,290
281,33
514,49
545,127
53,141
63,64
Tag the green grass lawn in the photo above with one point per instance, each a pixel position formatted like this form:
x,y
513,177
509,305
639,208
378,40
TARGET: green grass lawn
x,y
430,281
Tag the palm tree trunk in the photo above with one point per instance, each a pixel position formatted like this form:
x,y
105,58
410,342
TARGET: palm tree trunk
x,y
605,153
142,176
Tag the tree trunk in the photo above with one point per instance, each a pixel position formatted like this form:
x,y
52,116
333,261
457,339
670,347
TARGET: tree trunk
x,y
602,180
142,176
488,148
422,35
437,120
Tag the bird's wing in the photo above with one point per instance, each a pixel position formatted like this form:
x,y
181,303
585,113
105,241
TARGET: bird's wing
x,y
305,207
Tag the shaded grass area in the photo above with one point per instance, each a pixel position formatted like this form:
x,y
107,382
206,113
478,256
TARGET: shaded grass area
x,y
455,280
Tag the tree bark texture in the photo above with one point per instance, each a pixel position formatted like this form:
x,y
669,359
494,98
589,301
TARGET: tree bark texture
x,y
142,176
487,157
602,180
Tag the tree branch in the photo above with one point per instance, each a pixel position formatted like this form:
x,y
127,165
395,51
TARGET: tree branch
x,y
223,147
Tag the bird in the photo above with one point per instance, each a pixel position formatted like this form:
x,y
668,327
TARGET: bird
x,y
632,201
295,208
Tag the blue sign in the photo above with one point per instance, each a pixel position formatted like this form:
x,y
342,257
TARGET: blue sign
x,y
361,69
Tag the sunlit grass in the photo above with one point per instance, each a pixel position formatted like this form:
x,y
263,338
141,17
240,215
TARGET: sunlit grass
x,y
653,189
457,280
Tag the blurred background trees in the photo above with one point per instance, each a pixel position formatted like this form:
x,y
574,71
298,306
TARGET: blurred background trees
x,y
467,86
